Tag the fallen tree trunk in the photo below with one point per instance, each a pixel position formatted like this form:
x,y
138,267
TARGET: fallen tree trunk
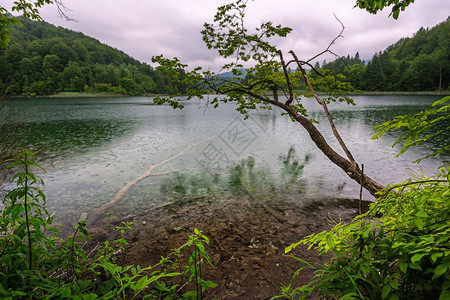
x,y
99,212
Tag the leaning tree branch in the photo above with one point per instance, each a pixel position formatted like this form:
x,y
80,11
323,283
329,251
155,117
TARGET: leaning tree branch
x,y
350,167
327,112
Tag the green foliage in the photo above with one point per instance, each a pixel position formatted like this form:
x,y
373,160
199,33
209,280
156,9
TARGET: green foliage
x,y
419,128
29,10
43,59
36,264
246,177
233,41
399,249
193,271
335,87
292,169
191,186
374,6
23,223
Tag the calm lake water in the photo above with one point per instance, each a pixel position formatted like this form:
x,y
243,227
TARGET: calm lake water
x,y
92,147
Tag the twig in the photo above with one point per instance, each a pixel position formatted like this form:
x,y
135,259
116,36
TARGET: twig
x,y
332,42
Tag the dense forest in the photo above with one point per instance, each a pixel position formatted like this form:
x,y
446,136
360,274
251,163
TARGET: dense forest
x,y
419,63
43,59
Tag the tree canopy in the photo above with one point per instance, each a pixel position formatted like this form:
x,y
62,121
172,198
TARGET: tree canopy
x,y
269,83
374,6
27,9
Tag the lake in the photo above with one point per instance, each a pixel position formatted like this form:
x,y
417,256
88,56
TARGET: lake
x,y
92,147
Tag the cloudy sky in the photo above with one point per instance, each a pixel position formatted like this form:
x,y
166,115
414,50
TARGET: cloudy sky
x,y
144,28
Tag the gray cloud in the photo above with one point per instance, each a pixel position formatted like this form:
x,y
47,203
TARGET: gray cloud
x,y
144,28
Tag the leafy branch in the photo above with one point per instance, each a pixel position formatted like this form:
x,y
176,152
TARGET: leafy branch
x,y
419,128
263,82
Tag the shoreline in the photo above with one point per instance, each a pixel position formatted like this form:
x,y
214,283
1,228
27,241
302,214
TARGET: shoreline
x,y
102,95
247,240
418,93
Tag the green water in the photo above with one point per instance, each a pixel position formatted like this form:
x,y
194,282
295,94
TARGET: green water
x,y
93,147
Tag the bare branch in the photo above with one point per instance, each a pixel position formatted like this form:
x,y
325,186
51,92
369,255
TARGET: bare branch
x,y
327,112
63,10
331,44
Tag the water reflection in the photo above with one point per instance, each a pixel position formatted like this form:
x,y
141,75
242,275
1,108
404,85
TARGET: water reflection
x,y
73,137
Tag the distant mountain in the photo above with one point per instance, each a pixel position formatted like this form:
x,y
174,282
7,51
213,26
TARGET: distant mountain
x,y
419,63
230,74
43,59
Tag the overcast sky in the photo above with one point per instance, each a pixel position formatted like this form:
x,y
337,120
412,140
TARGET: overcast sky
x,y
144,28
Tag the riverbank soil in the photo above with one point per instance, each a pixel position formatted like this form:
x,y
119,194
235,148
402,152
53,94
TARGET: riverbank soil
x,y
247,239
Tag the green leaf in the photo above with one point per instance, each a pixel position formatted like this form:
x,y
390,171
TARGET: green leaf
x,y
393,297
207,284
190,295
16,210
140,284
441,269
385,292
418,223
445,295
416,257
394,284
403,267
421,214
435,256
291,247
66,292
415,266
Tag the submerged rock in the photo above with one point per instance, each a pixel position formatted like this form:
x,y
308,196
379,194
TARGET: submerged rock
x,y
98,233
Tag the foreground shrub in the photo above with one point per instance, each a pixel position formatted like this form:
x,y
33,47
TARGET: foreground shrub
x,y
399,249
36,264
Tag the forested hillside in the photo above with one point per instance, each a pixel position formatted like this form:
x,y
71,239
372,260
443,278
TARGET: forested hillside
x,y
43,59
419,63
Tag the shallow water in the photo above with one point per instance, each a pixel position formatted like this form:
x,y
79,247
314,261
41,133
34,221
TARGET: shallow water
x,y
93,147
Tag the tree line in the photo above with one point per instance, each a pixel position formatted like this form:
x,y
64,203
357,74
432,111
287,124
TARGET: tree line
x,y
419,63
43,59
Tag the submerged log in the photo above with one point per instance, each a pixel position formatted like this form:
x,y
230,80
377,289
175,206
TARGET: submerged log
x,y
99,212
